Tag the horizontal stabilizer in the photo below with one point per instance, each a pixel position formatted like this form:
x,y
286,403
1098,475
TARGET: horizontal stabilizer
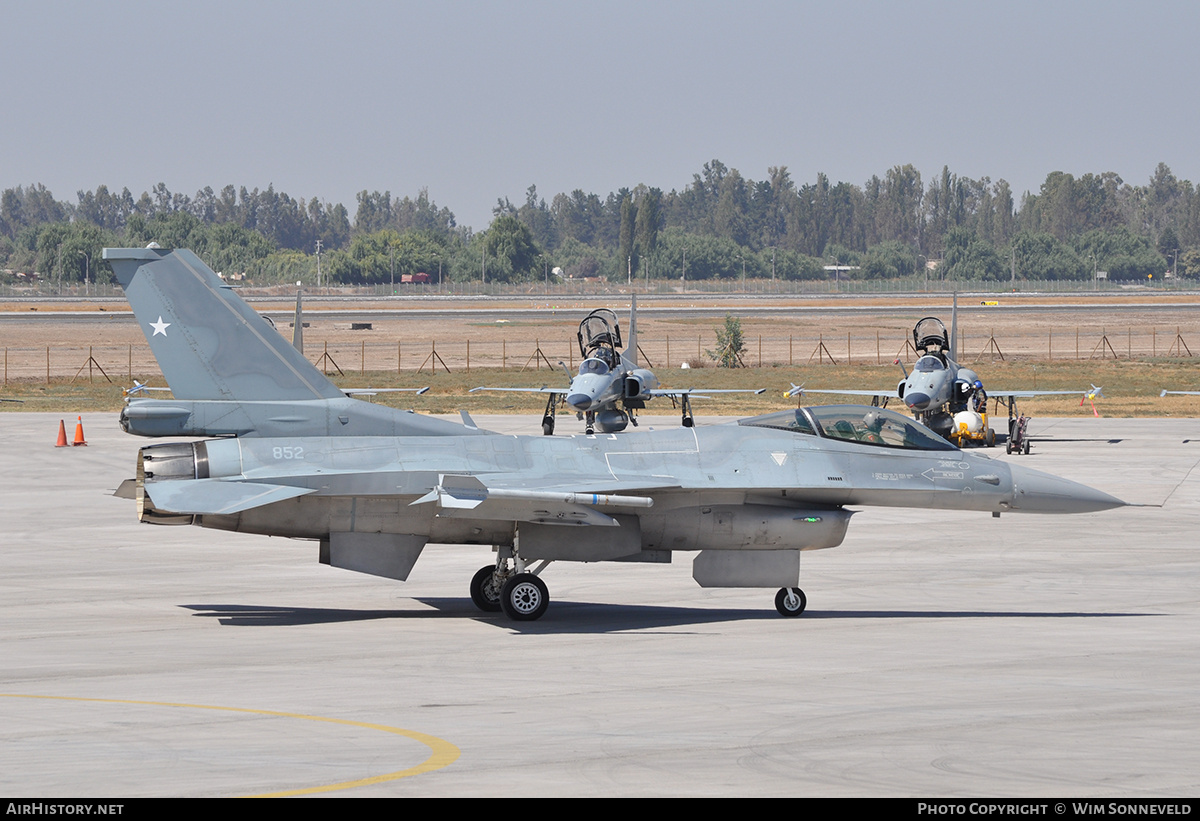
x,y
216,497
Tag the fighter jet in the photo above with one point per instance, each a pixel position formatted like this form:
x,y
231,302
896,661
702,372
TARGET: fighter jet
x,y
228,370
610,386
940,392
747,497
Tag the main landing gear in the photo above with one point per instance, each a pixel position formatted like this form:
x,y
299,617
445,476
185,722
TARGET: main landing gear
x,y
509,587
548,415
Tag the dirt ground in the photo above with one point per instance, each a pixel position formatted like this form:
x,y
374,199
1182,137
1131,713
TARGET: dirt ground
x,y
1115,328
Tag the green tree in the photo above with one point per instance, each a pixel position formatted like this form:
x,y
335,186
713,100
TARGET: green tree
x,y
969,258
730,344
512,254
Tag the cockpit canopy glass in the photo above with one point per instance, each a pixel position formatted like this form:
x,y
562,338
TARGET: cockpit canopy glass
x,y
930,334
599,329
593,366
929,364
854,423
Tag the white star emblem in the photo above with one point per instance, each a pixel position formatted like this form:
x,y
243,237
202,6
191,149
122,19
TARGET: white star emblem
x,y
160,327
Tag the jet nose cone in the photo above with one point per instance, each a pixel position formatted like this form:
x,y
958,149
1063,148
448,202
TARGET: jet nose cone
x,y
579,401
917,401
1037,492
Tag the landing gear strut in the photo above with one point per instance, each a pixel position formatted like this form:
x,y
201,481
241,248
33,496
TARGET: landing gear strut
x,y
548,415
686,404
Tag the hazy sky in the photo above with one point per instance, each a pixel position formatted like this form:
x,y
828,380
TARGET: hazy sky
x,y
479,100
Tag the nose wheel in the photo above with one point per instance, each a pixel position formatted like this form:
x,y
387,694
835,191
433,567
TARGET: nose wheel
x,y
790,601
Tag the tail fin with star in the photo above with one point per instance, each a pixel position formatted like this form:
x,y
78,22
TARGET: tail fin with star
x,y
208,342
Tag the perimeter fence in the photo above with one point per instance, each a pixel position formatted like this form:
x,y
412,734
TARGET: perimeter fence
x,y
122,363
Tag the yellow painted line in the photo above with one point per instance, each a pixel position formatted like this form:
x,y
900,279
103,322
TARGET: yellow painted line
x,y
443,753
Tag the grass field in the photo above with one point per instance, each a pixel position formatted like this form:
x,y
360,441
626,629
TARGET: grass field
x,y
1131,388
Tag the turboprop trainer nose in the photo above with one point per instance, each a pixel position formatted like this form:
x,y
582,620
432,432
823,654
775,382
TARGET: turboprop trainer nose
x,y
1037,492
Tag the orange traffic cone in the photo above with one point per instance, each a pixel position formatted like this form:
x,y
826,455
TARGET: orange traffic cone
x,y
62,434
79,440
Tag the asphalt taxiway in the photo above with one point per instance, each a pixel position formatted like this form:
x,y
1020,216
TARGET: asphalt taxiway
x,y
942,654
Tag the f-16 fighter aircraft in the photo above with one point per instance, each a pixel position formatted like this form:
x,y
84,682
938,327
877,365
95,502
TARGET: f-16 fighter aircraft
x,y
746,497
610,386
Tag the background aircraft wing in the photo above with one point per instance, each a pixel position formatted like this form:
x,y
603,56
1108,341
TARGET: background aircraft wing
x,y
374,391
800,390
542,390
1028,394
697,392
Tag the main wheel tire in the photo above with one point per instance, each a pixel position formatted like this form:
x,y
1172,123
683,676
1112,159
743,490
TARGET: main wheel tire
x,y
1026,447
483,590
790,601
524,597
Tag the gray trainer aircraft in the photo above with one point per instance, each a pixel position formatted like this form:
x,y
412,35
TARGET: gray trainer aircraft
x,y
611,386
939,389
229,372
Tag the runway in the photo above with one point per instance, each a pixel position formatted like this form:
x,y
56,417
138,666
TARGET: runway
x,y
942,654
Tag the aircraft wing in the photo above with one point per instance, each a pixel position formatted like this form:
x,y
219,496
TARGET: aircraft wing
x,y
1030,394
800,390
374,391
542,390
1179,393
701,393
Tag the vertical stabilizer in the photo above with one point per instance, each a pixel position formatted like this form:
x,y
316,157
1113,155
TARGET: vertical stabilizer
x,y
954,328
298,325
209,343
631,350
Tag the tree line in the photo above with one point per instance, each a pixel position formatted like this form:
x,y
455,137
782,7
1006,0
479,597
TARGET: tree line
x,y
721,226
